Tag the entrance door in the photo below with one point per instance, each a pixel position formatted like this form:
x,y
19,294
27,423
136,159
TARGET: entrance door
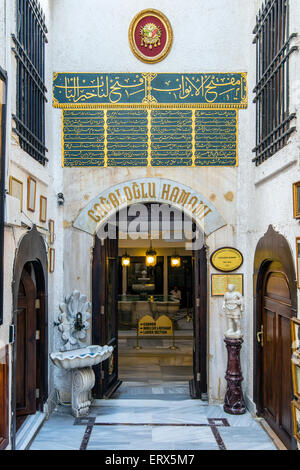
x,y
105,313
276,390
26,349
198,385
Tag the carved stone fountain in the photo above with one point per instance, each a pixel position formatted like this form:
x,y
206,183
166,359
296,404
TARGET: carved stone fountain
x,y
73,325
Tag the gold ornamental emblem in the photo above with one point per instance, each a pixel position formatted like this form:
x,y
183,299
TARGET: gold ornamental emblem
x,y
150,35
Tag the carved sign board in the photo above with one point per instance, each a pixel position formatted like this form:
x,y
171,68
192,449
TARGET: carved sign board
x,y
163,326
220,90
149,137
226,259
220,282
162,191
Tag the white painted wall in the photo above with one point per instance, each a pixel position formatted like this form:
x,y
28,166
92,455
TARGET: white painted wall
x,y
92,36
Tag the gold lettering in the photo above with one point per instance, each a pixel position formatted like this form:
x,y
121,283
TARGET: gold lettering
x,y
105,204
165,192
183,197
206,213
91,215
193,201
128,193
113,199
136,191
144,195
174,194
97,208
153,192
121,200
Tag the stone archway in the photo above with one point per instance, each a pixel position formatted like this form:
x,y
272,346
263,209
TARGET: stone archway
x,y
163,191
31,252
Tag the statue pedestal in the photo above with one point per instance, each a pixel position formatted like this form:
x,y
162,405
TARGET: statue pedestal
x,y
234,401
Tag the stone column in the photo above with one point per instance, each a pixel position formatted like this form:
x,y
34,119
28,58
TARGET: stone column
x,y
234,400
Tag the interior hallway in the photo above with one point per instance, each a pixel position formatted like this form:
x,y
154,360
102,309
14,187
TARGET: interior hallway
x,y
148,416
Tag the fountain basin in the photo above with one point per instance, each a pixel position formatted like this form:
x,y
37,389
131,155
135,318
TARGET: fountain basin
x,y
82,357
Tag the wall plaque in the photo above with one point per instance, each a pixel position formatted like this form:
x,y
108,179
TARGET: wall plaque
x,y
226,259
150,36
220,282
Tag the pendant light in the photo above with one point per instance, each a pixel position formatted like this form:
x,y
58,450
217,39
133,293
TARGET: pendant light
x,y
175,261
150,256
126,260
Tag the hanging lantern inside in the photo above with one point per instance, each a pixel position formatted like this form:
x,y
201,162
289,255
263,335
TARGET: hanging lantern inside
x,y
126,260
150,256
175,261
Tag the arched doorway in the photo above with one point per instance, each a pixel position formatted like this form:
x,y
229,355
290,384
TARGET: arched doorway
x,y
30,320
106,311
275,305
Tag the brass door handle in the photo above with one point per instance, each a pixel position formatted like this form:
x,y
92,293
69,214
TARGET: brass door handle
x,y
260,336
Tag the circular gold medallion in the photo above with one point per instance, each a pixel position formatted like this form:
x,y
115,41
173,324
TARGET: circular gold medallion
x,y
150,36
226,259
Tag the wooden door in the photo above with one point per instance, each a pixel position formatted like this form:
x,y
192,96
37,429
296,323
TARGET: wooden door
x,y
276,393
26,348
198,385
105,313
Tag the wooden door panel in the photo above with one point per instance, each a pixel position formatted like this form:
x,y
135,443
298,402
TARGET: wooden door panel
x,y
285,341
26,348
198,385
270,362
21,364
105,313
276,356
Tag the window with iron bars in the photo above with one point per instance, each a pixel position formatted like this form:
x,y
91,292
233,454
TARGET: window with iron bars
x,y
29,49
273,49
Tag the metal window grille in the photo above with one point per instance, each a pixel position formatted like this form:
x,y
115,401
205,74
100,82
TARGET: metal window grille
x,y
29,49
272,39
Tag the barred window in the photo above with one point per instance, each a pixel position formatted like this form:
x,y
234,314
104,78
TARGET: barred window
x,y
29,49
272,39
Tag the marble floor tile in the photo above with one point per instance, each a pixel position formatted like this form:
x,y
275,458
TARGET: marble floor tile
x,y
134,421
246,438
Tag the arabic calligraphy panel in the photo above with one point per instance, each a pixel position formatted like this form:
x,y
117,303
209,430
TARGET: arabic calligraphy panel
x,y
140,89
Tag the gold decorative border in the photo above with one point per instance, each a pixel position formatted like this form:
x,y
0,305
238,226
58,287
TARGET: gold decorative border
x,y
56,104
169,31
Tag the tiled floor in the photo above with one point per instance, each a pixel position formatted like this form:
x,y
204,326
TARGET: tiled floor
x,y
161,416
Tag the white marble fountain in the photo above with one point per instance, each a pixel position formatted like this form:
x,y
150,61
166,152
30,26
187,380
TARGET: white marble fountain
x,y
73,325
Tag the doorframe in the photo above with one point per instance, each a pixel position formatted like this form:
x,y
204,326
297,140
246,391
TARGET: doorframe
x,y
31,249
271,248
98,319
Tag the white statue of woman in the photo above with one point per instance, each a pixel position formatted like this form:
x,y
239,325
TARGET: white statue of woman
x,y
233,306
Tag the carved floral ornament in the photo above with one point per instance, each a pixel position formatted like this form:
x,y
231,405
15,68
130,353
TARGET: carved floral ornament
x,y
73,320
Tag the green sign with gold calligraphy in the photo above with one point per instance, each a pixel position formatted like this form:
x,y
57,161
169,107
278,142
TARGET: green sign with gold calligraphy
x,y
153,137
149,119
138,89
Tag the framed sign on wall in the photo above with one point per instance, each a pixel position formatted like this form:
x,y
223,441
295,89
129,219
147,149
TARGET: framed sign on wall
x,y
226,259
43,209
51,231
31,193
296,199
220,282
298,260
16,189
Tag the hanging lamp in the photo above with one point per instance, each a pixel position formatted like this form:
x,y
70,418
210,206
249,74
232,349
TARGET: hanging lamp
x,y
126,260
150,256
175,261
